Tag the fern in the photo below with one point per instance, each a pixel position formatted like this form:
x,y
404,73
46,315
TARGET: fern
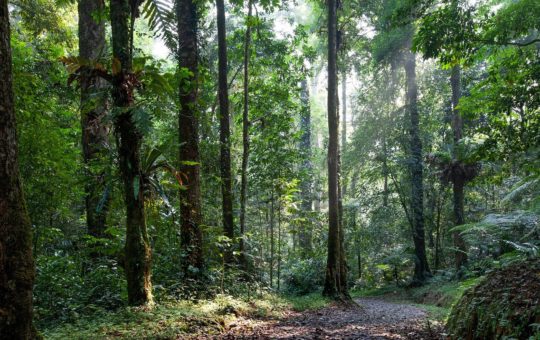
x,y
162,19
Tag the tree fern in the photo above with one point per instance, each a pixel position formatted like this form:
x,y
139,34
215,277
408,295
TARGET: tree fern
x,y
162,20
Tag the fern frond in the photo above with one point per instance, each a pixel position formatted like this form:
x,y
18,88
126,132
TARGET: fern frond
x,y
162,21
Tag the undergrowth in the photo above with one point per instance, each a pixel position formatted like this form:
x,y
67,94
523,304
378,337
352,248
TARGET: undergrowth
x,y
173,318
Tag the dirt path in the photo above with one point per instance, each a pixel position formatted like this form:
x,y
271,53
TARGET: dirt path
x,y
374,319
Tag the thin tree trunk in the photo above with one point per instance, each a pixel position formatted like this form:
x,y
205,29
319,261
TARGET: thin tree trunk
x,y
421,269
245,141
95,132
272,240
333,286
188,125
224,131
385,171
343,269
304,237
344,111
129,139
16,261
458,183
279,245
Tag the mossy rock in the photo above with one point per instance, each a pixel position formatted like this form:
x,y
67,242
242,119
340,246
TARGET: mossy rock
x,y
506,304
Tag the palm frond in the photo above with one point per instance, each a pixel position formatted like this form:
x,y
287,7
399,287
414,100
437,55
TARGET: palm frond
x,y
162,19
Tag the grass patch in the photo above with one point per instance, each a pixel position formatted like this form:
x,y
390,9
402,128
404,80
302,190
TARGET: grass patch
x,y
307,302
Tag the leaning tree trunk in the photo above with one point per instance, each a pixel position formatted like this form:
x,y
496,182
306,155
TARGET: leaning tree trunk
x,y
304,235
95,132
224,132
333,287
16,262
458,181
245,141
129,139
188,126
421,268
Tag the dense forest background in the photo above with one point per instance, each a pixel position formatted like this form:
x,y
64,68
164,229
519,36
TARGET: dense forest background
x,y
191,150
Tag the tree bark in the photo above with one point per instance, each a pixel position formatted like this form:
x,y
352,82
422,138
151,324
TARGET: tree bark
x,y
304,235
272,239
421,268
224,131
16,261
458,183
344,110
95,132
245,141
188,128
333,287
129,139
385,171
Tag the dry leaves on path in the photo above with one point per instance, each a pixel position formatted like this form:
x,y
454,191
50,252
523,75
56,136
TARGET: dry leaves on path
x,y
372,319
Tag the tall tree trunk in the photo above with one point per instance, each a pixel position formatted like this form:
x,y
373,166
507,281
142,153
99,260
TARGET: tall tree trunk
x,y
458,183
95,132
333,287
304,237
421,268
272,239
16,261
188,126
343,185
245,140
385,171
344,109
129,139
224,131
279,245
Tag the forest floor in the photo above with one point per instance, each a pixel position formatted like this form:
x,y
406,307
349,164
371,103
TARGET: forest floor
x,y
388,312
372,318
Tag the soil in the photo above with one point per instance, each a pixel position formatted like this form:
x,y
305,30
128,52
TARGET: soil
x,y
370,319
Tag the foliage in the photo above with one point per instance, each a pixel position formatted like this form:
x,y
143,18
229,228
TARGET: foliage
x,y
504,304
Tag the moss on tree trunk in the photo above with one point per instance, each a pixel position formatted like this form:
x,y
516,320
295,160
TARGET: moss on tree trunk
x,y
16,262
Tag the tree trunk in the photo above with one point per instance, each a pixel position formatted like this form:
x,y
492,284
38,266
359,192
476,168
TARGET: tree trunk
x,y
333,287
304,236
343,185
272,240
224,131
385,171
188,128
245,141
279,245
421,268
95,132
459,183
129,139
344,110
16,261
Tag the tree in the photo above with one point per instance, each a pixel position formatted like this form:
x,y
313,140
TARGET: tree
x,y
188,125
421,268
16,261
458,181
95,132
304,235
137,248
333,285
224,131
245,138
